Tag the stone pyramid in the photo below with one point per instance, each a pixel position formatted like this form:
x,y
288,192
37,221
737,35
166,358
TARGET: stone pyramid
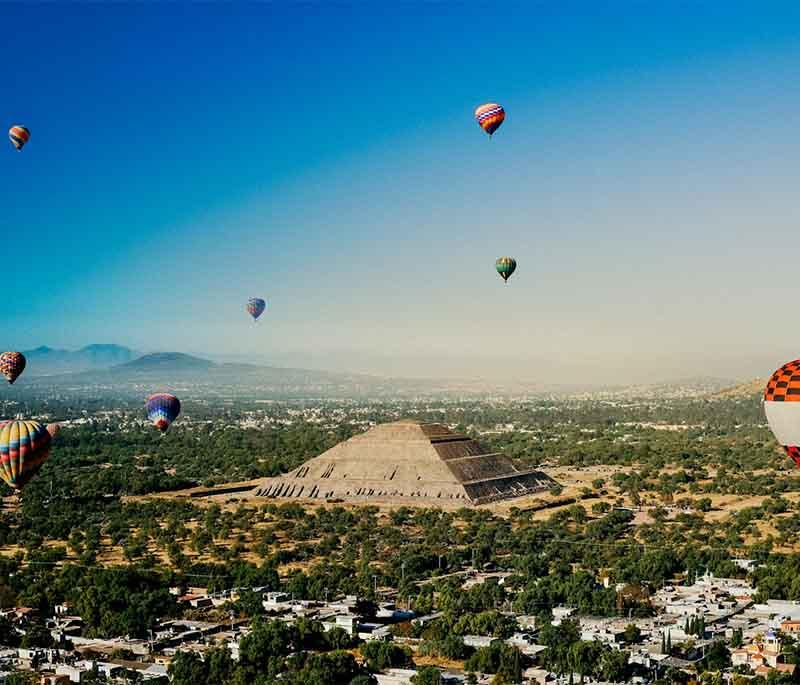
x,y
407,461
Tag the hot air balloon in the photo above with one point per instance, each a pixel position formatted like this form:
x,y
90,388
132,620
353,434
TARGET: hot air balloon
x,y
490,116
782,407
256,307
162,410
12,364
505,267
19,135
24,447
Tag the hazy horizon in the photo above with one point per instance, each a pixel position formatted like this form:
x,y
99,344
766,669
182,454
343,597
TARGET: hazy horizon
x,y
643,180
571,372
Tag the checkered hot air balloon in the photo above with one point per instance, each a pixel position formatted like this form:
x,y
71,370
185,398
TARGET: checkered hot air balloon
x,y
490,116
19,135
782,407
12,364
162,410
505,267
24,447
256,307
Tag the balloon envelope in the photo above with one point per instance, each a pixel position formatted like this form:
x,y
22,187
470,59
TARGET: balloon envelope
x,y
256,307
505,267
24,447
162,410
19,135
12,364
490,116
782,407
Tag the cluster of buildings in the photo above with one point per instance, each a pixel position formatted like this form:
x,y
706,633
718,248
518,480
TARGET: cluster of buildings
x,y
689,620
74,658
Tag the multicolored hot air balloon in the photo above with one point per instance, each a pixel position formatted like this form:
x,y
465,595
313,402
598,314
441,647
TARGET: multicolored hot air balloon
x,y
162,410
490,116
19,135
256,307
782,407
505,267
12,364
24,447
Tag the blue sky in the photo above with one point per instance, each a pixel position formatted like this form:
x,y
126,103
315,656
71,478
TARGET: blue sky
x,y
186,157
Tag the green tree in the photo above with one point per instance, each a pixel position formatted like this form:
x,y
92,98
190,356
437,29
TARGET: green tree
x,y
187,668
427,675
632,634
614,665
717,657
36,635
382,655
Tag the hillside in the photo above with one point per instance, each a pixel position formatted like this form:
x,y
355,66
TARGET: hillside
x,y
746,390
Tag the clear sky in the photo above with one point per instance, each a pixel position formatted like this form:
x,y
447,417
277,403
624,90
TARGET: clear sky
x,y
324,156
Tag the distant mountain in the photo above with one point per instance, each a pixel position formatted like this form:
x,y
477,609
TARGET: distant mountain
x,y
195,377
165,361
172,368
47,361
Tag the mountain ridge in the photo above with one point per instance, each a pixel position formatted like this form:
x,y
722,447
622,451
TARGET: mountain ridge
x,y
46,361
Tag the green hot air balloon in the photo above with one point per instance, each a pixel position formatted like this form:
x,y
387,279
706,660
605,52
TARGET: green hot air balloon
x,y
505,267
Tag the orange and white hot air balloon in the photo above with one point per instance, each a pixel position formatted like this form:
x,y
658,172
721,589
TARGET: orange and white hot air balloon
x,y
782,407
490,116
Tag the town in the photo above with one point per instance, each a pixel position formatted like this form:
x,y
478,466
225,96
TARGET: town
x,y
713,625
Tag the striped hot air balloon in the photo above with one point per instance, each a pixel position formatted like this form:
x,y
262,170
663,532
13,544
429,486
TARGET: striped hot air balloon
x,y
19,135
256,307
490,116
505,267
162,410
782,407
24,447
12,364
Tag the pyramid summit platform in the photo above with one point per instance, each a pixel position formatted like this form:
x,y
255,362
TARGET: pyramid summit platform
x,y
408,461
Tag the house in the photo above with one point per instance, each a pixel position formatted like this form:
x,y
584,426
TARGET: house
x,y
424,620
607,634
478,641
346,622
764,653
560,613
539,676
786,609
29,658
790,626
780,667
154,672
53,679
277,601
68,673
196,601
526,645
746,564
